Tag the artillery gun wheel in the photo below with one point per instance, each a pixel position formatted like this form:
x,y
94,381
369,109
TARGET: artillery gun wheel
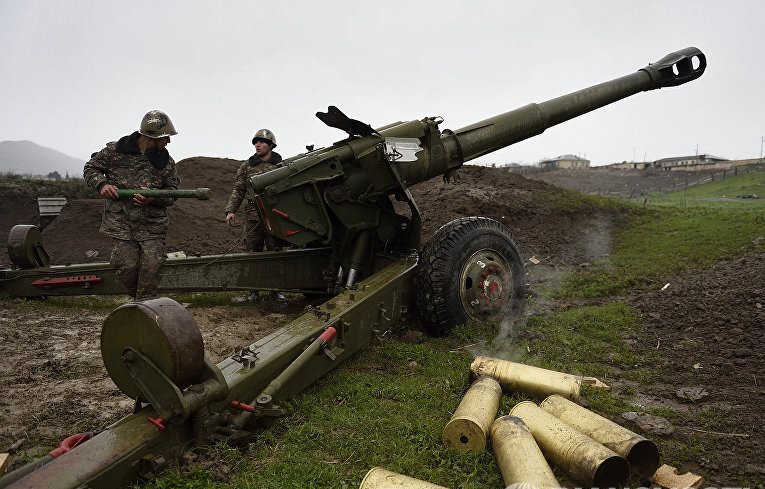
x,y
471,269
161,330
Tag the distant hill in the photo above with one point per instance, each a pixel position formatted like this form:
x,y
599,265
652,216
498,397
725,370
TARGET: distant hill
x,y
24,157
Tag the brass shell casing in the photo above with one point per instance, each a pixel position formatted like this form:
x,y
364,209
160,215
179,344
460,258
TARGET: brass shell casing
x,y
518,455
536,381
379,478
469,427
642,454
586,460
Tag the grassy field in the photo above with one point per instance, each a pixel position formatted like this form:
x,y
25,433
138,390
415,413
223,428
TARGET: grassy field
x,y
74,188
662,241
679,231
726,193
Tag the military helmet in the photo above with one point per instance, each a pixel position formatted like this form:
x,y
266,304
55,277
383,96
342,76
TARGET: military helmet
x,y
265,135
156,124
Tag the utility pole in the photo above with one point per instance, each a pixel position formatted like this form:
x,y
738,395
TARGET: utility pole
x,y
762,140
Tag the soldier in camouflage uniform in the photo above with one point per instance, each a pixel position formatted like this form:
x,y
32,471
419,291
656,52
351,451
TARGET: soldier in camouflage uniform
x,y
264,159
137,225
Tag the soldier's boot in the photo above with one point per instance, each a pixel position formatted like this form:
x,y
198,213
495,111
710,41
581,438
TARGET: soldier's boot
x,y
278,296
254,296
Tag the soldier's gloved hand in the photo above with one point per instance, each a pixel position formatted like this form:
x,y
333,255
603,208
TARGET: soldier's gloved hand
x,y
230,218
109,191
140,200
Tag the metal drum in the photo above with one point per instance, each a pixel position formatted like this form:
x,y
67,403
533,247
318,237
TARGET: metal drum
x,y
161,330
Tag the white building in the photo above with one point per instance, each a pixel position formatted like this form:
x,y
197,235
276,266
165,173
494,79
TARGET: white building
x,y
569,162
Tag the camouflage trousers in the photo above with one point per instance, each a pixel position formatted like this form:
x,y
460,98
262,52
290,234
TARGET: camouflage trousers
x,y
137,264
256,237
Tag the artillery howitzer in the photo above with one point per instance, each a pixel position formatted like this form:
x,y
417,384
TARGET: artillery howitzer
x,y
335,204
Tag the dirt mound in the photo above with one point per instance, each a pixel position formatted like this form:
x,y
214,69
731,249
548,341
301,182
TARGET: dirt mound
x,y
18,205
555,234
197,227
708,329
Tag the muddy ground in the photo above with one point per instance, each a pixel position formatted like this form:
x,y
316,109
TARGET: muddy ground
x,y
708,327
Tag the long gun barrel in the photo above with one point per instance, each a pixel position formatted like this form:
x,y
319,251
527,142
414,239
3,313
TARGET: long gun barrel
x,y
357,174
197,193
511,127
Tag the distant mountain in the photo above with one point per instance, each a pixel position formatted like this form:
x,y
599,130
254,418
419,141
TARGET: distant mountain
x,y
24,157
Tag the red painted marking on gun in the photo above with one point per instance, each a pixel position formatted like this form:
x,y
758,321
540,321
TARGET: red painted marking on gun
x,y
51,282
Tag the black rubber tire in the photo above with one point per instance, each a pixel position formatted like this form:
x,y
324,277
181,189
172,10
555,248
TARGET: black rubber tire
x,y
440,294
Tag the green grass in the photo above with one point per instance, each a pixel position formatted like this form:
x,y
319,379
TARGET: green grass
x,y
74,188
560,200
585,341
658,243
719,194
680,231
388,406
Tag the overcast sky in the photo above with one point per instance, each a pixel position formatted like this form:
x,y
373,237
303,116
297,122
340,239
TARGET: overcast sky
x,y
78,74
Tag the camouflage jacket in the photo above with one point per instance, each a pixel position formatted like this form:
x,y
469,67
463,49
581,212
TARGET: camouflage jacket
x,y
123,165
251,167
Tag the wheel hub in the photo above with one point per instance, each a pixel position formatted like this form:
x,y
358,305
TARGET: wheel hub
x,y
486,285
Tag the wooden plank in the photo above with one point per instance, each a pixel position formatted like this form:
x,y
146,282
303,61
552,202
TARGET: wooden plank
x,y
667,477
5,460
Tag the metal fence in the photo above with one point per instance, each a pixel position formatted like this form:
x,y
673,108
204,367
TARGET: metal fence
x,y
715,176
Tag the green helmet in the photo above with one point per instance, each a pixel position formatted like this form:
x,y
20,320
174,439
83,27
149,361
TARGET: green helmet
x,y
265,135
156,124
